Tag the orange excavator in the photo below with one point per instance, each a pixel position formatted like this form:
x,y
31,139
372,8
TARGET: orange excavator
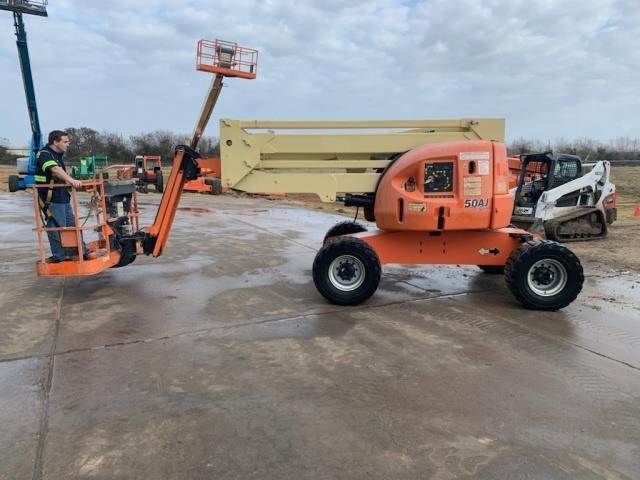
x,y
440,203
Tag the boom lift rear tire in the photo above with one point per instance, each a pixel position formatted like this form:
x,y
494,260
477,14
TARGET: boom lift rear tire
x,y
346,271
544,275
343,228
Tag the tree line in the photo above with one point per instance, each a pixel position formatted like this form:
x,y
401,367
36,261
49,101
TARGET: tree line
x,y
621,148
86,142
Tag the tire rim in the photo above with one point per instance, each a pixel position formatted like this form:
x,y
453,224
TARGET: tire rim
x,y
346,273
547,277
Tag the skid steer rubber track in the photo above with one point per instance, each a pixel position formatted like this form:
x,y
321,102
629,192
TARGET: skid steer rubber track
x,y
580,226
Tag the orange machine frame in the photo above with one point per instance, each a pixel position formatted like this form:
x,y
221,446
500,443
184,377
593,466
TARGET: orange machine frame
x,y
454,247
465,221
210,167
476,195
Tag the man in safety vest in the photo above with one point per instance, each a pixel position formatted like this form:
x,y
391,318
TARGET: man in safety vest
x,y
55,202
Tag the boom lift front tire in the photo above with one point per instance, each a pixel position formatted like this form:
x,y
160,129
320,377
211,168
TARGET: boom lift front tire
x,y
544,275
346,271
343,228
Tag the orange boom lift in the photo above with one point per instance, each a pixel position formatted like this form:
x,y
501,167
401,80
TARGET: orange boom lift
x,y
440,203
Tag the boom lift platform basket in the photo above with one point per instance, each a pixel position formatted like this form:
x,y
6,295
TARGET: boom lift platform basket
x,y
112,205
226,58
32,7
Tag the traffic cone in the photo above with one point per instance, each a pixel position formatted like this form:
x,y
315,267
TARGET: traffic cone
x,y
636,212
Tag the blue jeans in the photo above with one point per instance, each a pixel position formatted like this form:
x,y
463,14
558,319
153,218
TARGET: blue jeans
x,y
62,213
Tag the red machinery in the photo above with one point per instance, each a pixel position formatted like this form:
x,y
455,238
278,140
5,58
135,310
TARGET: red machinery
x,y
148,171
208,180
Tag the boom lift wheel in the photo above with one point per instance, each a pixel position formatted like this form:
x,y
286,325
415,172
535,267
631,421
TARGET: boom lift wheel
x,y
215,184
13,183
544,275
346,271
343,228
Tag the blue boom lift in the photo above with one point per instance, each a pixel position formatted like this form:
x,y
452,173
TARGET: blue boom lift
x,y
32,7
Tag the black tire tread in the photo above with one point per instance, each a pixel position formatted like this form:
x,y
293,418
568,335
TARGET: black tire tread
x,y
518,257
344,228
13,183
341,246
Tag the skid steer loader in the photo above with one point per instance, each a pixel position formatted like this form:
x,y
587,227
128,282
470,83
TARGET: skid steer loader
x,y
564,199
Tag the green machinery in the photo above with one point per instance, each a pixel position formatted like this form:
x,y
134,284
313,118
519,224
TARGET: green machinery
x,y
89,166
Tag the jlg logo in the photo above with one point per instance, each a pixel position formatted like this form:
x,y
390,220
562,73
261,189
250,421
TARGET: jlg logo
x,y
476,202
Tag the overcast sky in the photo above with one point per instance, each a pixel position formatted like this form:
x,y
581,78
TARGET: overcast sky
x,y
565,68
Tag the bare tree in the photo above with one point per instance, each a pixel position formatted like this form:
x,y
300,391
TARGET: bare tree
x,y
621,148
87,142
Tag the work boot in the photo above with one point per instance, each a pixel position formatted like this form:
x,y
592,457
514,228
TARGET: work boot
x,y
55,259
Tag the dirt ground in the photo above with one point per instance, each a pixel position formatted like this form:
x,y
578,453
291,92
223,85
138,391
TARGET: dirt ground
x,y
621,247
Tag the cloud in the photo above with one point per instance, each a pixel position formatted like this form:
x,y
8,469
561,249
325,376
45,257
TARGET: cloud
x,y
553,68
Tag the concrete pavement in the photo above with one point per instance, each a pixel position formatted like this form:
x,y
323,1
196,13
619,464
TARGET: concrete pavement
x,y
220,360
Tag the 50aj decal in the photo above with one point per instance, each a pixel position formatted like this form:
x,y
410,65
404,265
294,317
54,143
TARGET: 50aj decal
x,y
476,202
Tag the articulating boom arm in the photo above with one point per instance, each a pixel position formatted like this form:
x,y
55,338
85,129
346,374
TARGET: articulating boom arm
x,y
274,156
184,168
223,59
207,109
